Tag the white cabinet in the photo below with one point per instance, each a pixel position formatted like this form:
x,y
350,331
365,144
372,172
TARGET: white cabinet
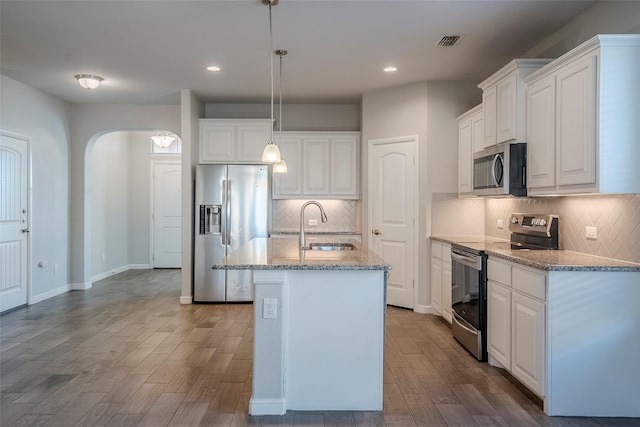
x,y
470,137
441,279
582,122
322,165
499,323
503,101
516,322
233,140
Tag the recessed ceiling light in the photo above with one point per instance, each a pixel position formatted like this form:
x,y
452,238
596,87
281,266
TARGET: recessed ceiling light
x,y
213,68
390,69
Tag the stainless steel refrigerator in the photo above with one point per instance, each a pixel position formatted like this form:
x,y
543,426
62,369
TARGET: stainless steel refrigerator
x,y
231,208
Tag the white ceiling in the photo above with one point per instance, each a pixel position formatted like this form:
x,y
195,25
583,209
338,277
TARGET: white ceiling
x,y
148,50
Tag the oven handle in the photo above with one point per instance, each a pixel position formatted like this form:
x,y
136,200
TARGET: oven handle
x,y
463,324
466,260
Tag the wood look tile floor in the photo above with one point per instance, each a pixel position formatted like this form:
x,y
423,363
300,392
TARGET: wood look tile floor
x,y
125,353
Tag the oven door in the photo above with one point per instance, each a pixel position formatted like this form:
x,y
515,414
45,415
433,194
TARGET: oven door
x,y
468,299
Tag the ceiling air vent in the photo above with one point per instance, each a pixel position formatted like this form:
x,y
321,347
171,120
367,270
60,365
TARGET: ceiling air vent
x,y
448,41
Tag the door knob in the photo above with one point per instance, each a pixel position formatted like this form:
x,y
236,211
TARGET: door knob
x,y
25,230
376,232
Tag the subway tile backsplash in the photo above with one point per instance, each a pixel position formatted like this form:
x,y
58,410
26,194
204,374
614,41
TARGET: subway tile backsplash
x,y
617,218
343,216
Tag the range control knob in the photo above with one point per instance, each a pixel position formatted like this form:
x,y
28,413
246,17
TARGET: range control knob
x,y
514,220
543,222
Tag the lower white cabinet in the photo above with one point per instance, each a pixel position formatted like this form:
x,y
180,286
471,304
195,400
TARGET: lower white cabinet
x,y
499,323
516,322
441,279
527,343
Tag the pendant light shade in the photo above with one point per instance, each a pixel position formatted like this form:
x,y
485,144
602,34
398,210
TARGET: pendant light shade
x,y
280,167
271,152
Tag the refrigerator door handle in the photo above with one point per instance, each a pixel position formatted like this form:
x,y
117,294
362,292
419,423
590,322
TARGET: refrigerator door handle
x,y
228,213
225,219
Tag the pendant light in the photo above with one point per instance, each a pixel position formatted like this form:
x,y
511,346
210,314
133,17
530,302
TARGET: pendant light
x,y
281,166
271,153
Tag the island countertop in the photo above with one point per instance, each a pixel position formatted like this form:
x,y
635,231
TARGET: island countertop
x,y
284,254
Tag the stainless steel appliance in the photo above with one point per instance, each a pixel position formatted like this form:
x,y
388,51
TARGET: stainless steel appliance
x,y
469,275
231,208
500,170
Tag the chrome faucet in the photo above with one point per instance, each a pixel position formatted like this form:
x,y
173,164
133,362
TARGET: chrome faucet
x,y
323,216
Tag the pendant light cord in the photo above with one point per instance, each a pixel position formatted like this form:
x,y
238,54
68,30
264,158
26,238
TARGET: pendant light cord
x,y
280,114
271,57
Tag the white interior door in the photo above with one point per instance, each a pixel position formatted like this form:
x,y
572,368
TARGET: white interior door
x,y
392,199
167,215
14,221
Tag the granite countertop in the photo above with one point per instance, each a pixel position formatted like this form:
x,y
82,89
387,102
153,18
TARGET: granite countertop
x,y
554,260
284,254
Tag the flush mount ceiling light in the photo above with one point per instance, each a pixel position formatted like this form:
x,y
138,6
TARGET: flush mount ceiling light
x,y
271,153
213,68
389,69
281,166
163,139
89,81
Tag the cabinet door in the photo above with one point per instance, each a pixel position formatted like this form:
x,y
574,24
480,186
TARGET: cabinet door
x,y
477,134
576,123
506,108
316,166
251,139
446,290
489,108
217,143
527,342
436,285
541,133
344,170
499,323
465,158
289,184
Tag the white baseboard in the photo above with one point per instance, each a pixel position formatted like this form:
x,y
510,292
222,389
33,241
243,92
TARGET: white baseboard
x,y
139,267
423,309
49,294
267,406
80,286
186,299
109,273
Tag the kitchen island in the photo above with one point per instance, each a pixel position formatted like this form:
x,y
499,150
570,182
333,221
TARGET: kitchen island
x,y
318,325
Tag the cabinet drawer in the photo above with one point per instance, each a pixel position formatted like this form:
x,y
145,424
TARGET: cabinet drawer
x,y
530,283
499,272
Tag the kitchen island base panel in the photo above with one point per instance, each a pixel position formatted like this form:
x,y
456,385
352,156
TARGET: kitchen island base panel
x,y
325,349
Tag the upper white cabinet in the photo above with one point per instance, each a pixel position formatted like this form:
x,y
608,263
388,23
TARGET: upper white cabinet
x,y
233,140
582,120
321,165
470,136
503,101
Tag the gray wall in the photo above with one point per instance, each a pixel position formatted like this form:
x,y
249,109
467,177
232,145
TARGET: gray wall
x,y
429,110
45,119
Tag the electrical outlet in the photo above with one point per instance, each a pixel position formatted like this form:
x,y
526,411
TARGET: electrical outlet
x,y
269,308
591,233
313,222
500,223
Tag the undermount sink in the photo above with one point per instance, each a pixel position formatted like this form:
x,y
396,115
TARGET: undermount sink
x,y
330,247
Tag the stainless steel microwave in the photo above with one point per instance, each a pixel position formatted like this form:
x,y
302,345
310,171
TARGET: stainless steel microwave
x,y
500,170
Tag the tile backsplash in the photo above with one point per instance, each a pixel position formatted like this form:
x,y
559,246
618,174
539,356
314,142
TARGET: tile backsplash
x,y
343,216
617,218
